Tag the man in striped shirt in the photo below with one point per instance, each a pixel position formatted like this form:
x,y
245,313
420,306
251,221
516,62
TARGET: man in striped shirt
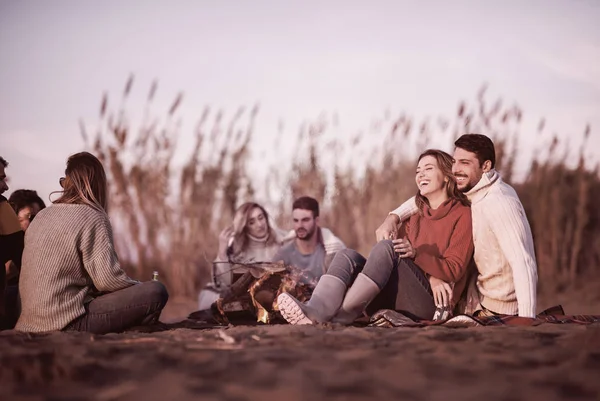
x,y
504,251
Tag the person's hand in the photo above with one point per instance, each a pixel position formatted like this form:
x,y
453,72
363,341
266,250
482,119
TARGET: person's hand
x,y
11,270
224,238
404,248
442,292
387,229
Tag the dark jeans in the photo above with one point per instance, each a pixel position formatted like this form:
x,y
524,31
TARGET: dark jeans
x,y
12,307
404,286
117,311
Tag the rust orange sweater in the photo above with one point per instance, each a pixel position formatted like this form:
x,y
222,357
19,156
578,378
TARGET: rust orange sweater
x,y
443,239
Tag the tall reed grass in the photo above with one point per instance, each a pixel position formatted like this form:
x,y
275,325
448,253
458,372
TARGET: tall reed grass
x,y
168,218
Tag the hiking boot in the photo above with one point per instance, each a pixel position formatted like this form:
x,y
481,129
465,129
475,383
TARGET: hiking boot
x,y
362,292
322,306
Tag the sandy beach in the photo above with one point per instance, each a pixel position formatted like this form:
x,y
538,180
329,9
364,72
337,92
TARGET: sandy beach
x,y
550,362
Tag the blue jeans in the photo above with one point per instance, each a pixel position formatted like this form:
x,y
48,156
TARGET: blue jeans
x,y
138,305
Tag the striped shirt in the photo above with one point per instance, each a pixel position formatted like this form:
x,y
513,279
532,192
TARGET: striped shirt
x,y
69,256
504,250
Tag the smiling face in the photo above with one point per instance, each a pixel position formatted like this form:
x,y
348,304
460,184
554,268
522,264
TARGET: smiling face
x,y
257,223
467,169
430,178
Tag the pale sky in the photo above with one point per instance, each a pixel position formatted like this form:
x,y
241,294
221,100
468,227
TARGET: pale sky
x,y
297,59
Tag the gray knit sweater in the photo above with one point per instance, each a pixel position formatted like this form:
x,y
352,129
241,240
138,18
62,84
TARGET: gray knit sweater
x,y
69,253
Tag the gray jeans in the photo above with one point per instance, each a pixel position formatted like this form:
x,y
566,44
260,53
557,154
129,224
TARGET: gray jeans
x,y
404,286
117,311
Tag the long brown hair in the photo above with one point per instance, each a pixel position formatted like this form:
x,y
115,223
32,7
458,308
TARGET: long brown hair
x,y
240,220
444,162
85,182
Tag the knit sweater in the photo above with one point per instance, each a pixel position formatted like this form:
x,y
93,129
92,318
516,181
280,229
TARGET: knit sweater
x,y
443,239
257,250
69,257
504,251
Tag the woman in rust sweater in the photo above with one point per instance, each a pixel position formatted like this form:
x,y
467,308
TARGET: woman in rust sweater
x,y
426,266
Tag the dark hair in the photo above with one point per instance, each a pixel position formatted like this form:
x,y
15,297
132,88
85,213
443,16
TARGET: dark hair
x,y
481,145
3,162
444,162
22,198
307,203
85,182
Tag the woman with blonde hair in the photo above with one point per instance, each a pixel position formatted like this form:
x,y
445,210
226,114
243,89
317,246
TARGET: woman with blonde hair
x,y
250,239
425,267
71,278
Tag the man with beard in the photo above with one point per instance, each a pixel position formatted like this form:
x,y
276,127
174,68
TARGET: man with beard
x,y
11,245
313,247
504,251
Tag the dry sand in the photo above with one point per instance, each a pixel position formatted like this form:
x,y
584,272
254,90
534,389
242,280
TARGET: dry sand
x,y
282,362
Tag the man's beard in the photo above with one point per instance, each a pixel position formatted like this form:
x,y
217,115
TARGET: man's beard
x,y
466,188
307,236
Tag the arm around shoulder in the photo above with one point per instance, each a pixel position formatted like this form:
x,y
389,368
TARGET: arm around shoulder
x,y
390,225
405,210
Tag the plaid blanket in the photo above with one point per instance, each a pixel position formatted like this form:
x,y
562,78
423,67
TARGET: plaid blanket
x,y
556,314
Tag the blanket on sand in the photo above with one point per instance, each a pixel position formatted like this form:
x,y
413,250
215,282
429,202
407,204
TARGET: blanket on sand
x,y
556,314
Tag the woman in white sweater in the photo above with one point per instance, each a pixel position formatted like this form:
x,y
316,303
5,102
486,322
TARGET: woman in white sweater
x,y
250,238
71,278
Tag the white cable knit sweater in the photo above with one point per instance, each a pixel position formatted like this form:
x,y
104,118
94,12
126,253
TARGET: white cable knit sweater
x,y
504,250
